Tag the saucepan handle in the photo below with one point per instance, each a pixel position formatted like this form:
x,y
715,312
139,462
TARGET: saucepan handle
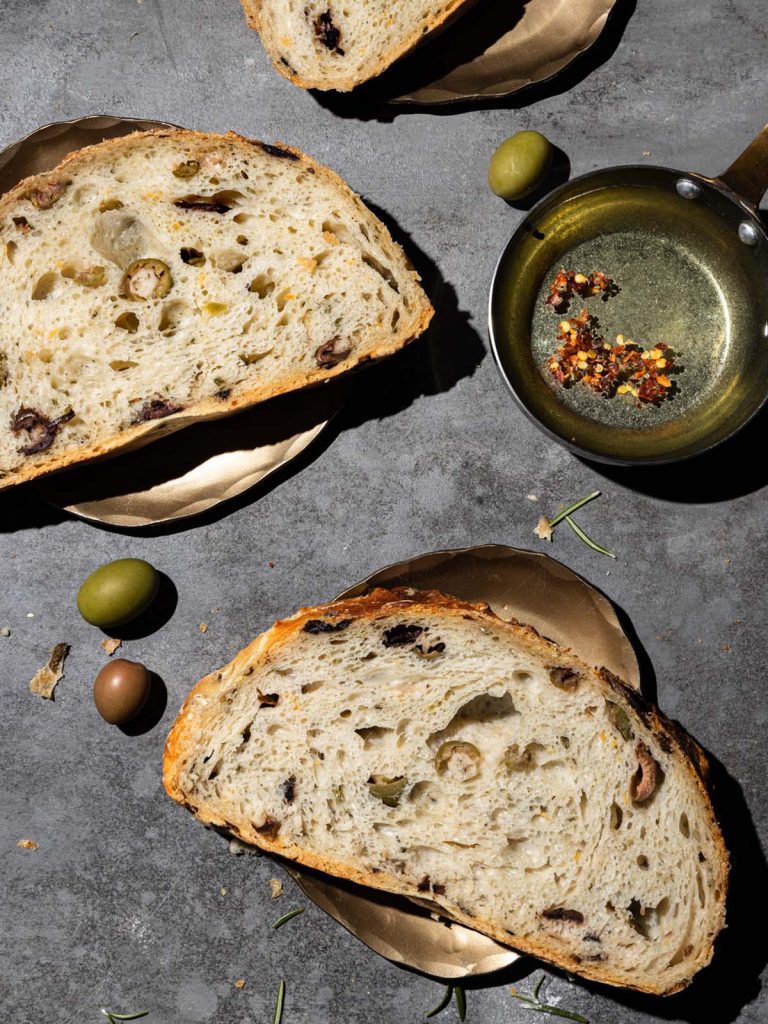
x,y
748,174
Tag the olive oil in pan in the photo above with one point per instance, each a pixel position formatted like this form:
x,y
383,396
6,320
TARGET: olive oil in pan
x,y
670,272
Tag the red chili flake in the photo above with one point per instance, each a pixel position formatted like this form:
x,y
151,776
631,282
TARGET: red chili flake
x,y
568,283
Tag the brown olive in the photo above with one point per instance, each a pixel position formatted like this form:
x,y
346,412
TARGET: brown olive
x,y
147,279
121,690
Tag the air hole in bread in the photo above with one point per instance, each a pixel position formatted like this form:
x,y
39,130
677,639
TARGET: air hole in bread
x,y
380,269
263,285
642,861
345,713
685,828
127,321
373,735
171,317
312,687
616,816
242,218
229,261
10,251
120,365
45,285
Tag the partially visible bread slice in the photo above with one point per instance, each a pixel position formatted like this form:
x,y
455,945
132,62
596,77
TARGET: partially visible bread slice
x,y
418,744
325,44
166,277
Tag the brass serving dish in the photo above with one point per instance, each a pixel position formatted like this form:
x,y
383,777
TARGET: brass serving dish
x,y
535,589
690,256
495,50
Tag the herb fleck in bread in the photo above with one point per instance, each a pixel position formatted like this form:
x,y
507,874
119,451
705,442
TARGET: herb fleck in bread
x,y
418,744
330,45
166,277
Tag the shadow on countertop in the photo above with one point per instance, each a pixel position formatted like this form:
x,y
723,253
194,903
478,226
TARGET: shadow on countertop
x,y
732,470
448,351
464,40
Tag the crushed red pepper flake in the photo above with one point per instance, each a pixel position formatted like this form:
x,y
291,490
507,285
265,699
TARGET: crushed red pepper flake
x,y
568,283
608,368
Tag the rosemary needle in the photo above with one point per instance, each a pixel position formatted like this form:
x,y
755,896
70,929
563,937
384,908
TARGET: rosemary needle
x,y
447,996
287,917
461,1001
573,508
279,1004
534,1003
587,540
111,1016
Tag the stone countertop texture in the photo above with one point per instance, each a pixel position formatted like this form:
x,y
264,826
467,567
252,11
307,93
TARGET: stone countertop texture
x,y
128,902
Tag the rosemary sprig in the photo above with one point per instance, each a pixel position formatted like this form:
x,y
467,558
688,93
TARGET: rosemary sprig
x,y
279,1003
534,1003
587,540
573,508
546,526
287,917
461,1001
112,1017
447,996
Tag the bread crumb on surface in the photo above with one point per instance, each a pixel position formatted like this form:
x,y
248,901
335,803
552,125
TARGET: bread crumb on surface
x,y
44,681
277,887
543,529
240,983
237,849
203,627
532,497
223,891
110,645
5,631
28,844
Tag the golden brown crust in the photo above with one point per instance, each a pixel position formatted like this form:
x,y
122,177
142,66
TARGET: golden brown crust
x,y
381,602
386,58
210,408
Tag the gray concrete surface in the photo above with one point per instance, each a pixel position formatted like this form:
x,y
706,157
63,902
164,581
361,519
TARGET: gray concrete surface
x,y
122,903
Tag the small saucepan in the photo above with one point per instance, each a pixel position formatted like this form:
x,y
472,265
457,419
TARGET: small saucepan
x,y
688,256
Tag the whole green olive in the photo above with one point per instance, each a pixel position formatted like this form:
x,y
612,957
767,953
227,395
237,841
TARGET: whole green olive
x,y
117,592
519,164
121,690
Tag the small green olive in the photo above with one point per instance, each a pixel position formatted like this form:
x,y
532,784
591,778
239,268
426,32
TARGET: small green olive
x,y
147,279
388,790
121,690
117,592
460,761
519,164
619,719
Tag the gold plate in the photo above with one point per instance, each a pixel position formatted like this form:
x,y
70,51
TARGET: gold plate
x,y
539,591
538,39
198,468
195,469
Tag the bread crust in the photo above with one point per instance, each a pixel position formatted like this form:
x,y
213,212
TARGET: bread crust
x,y
210,408
672,738
345,83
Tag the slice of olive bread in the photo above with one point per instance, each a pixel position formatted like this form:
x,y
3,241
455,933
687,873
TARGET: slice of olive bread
x,y
171,276
418,744
321,44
